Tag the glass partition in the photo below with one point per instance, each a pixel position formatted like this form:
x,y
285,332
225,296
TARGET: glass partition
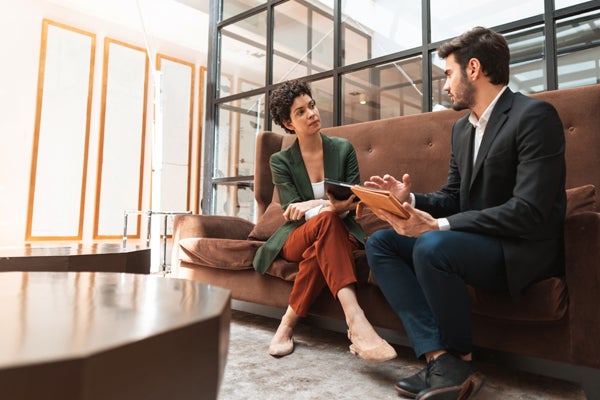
x,y
303,40
578,47
322,92
232,8
239,123
384,91
527,60
243,52
373,29
451,18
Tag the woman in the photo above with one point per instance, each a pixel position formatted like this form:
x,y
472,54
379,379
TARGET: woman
x,y
320,232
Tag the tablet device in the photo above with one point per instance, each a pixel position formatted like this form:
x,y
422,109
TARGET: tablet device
x,y
378,199
339,190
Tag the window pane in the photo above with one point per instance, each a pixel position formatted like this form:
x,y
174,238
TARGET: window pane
x,y
578,47
527,60
322,92
303,41
235,7
239,123
451,18
566,3
243,52
385,91
377,28
235,199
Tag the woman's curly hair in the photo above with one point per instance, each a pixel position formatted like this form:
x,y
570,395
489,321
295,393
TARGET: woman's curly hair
x,y
282,99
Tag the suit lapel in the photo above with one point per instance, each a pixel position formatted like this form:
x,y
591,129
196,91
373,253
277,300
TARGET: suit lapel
x,y
495,123
466,160
330,159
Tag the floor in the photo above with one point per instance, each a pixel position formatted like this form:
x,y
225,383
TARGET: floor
x,y
321,367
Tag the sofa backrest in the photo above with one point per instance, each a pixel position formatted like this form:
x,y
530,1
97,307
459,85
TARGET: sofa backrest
x,y
419,144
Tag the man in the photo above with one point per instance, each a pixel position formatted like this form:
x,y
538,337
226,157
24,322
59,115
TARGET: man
x,y
496,224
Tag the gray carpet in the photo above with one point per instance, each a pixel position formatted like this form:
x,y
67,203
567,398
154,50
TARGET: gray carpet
x,y
321,367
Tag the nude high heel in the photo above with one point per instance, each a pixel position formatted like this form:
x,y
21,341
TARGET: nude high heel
x,y
281,349
380,353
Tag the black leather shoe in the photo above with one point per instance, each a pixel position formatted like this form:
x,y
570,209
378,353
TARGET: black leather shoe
x,y
412,385
450,378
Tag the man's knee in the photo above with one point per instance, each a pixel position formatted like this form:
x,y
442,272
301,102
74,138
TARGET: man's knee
x,y
428,251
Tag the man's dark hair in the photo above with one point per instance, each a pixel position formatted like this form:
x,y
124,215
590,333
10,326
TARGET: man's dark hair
x,y
282,99
489,47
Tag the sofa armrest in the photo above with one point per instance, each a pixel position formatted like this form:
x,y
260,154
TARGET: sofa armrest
x,y
582,259
208,226
211,226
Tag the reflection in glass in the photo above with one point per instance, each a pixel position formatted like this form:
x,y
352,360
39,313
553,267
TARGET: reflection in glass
x,y
558,4
303,41
448,21
232,8
236,199
243,51
239,123
373,29
578,47
527,60
384,91
322,92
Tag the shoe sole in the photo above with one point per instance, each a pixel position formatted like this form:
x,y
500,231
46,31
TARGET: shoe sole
x,y
404,392
467,390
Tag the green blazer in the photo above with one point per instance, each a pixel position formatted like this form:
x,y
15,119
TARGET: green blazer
x,y
293,185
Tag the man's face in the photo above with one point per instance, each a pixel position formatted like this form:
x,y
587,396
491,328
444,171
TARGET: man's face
x,y
460,90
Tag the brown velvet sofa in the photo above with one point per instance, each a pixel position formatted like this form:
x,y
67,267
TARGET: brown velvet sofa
x,y
556,320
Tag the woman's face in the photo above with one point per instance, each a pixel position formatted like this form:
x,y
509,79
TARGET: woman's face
x,y
304,116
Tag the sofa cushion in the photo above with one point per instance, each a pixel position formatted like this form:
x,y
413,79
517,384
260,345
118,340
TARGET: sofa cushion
x,y
544,301
218,253
268,223
581,198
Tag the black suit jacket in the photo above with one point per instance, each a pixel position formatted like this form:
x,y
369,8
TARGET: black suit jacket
x,y
516,189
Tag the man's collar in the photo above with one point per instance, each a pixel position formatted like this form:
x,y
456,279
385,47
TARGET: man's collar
x,y
488,111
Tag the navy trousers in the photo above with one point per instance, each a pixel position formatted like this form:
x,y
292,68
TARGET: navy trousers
x,y
424,279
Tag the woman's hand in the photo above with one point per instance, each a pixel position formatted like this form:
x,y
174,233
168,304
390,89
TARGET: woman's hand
x,y
340,206
400,189
296,211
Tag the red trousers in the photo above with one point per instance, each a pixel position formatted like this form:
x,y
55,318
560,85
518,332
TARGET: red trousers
x,y
322,247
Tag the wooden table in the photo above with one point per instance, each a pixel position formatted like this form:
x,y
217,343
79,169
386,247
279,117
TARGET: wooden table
x,y
97,257
103,335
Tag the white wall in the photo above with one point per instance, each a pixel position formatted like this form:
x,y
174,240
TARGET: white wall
x,y
174,29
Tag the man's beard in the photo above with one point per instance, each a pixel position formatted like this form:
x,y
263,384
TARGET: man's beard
x,y
466,95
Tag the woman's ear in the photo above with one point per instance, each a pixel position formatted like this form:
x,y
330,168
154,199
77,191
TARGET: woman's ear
x,y
288,125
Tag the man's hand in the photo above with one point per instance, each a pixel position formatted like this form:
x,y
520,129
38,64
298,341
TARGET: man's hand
x,y
417,224
400,189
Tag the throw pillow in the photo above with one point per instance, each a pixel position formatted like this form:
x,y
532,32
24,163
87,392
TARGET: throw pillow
x,y
268,223
579,199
